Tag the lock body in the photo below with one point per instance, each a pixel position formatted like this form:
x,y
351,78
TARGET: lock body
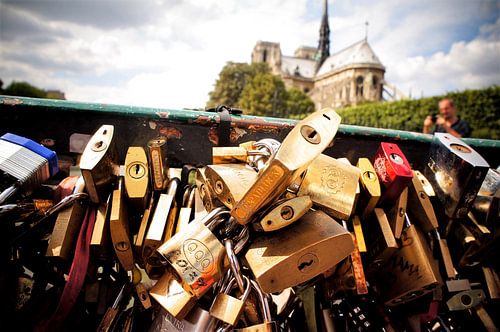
x,y
168,292
456,172
370,188
309,247
284,214
332,186
137,177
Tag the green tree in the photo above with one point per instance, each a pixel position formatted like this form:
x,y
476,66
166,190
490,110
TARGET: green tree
x,y
232,80
298,104
24,89
264,95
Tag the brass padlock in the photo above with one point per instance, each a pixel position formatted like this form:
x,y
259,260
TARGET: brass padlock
x,y
283,214
229,155
426,185
162,224
143,295
197,320
393,171
300,147
267,325
168,292
299,252
228,308
66,227
456,172
186,211
196,254
99,242
381,240
157,153
206,192
143,226
370,193
396,214
99,163
332,186
411,272
137,177
119,229
230,182
420,207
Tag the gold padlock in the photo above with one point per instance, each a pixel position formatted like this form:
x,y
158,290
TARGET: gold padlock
x,y
186,210
229,155
137,177
99,242
396,214
99,163
228,308
162,223
141,233
119,229
157,154
381,240
371,187
426,185
196,255
332,186
168,292
206,192
300,147
284,214
230,182
299,252
420,207
66,227
411,271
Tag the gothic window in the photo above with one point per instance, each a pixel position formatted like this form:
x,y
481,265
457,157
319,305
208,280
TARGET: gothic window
x,y
375,81
264,56
296,72
359,86
306,90
348,92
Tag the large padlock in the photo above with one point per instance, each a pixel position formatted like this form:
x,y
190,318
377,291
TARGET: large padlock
x,y
196,254
411,271
393,170
456,172
299,148
230,182
332,186
228,308
305,249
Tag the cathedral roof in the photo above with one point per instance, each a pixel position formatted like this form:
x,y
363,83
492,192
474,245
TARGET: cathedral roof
x,y
298,66
358,53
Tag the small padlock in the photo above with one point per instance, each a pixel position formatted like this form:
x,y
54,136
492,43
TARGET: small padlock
x,y
99,163
456,171
137,177
157,153
228,308
186,211
393,170
283,214
300,147
420,207
66,227
99,242
396,214
305,249
143,226
168,292
230,182
370,193
196,254
162,224
381,240
119,229
268,325
332,186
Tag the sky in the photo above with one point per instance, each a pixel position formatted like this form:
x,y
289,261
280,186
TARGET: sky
x,y
168,53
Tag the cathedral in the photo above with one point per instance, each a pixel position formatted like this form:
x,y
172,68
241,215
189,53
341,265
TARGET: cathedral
x,y
348,77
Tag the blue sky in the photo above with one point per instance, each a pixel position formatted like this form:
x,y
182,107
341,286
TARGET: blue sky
x,y
168,53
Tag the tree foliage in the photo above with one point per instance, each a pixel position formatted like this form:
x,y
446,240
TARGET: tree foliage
x,y
254,89
24,89
481,108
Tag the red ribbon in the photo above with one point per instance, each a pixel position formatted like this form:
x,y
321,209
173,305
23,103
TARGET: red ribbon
x,y
77,273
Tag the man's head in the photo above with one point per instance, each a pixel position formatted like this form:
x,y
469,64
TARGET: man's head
x,y
447,108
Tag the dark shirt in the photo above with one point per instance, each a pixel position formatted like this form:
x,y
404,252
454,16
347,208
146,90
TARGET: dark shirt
x,y
460,126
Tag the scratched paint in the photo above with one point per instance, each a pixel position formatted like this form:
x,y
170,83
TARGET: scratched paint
x,y
171,132
163,115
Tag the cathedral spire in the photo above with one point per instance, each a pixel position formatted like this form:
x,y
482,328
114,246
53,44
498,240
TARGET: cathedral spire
x,y
324,37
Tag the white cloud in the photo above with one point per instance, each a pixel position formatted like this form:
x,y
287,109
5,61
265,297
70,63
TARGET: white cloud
x,y
173,57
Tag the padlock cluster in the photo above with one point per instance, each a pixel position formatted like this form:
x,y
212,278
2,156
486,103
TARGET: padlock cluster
x,y
272,236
